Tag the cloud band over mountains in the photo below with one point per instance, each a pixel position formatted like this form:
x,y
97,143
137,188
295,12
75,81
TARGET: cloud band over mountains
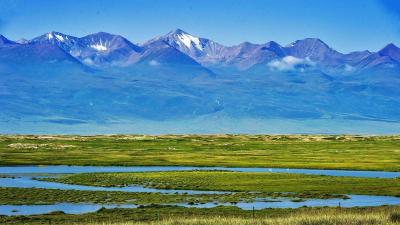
x,y
289,63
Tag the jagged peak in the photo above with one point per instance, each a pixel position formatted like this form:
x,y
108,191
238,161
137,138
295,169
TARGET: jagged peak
x,y
181,33
105,36
178,31
312,41
53,36
390,50
102,34
247,43
183,38
104,41
273,44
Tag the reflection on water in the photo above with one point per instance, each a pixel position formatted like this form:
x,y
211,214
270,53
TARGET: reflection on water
x,y
28,182
71,208
24,174
94,169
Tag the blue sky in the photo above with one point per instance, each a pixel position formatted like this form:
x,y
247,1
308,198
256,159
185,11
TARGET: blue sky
x,y
345,25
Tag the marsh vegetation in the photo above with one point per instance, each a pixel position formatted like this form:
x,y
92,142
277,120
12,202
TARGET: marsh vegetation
x,y
169,215
312,185
276,151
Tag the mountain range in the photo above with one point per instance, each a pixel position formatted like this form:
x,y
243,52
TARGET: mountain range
x,y
102,77
104,50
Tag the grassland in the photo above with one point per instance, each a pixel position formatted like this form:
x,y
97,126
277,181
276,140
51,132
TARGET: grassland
x,y
36,196
168,215
322,218
288,151
240,181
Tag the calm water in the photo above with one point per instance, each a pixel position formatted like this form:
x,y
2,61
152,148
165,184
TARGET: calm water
x,y
96,169
70,208
24,175
27,182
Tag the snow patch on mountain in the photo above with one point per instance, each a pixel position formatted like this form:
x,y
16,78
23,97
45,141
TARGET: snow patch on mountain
x,y
189,40
103,49
99,47
59,37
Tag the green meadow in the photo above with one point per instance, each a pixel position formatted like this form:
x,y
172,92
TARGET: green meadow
x,y
241,181
37,196
287,151
281,151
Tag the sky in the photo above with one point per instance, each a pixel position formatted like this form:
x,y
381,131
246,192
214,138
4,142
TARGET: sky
x,y
345,25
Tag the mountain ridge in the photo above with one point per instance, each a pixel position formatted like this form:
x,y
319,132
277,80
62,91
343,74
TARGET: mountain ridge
x,y
91,50
104,77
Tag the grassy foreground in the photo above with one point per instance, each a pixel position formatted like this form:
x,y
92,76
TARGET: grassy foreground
x,y
164,215
324,218
306,219
288,151
240,181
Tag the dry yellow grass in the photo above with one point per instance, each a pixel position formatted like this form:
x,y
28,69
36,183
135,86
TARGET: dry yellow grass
x,y
309,218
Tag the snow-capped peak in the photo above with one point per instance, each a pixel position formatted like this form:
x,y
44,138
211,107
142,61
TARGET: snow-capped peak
x,y
49,36
186,40
53,36
189,40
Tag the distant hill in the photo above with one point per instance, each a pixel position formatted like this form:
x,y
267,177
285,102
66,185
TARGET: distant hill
x,y
102,77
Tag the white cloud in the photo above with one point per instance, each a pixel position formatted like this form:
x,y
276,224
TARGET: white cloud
x,y
154,63
288,63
